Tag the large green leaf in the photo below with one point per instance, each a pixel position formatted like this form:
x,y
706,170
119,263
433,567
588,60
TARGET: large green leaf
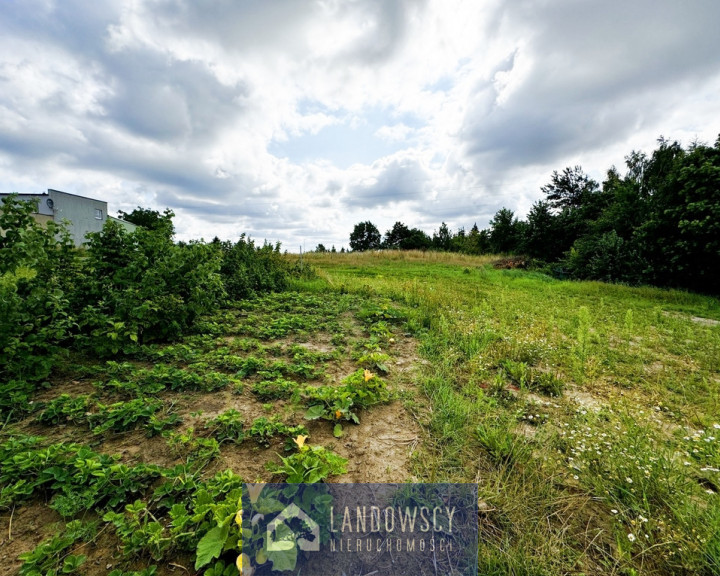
x,y
315,412
211,545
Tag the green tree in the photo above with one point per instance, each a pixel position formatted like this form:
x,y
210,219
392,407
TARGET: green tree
x,y
569,189
442,239
395,236
681,236
365,236
416,240
504,231
151,219
542,235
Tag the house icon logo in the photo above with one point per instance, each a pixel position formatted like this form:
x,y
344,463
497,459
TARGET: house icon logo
x,y
290,513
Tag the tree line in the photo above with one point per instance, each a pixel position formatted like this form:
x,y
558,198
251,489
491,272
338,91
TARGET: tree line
x,y
656,223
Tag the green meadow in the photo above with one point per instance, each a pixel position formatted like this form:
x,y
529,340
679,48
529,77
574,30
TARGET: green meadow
x,y
588,413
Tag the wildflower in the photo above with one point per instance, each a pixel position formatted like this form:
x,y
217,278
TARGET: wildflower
x,y
238,518
614,511
716,426
631,537
628,480
338,413
300,441
254,491
368,375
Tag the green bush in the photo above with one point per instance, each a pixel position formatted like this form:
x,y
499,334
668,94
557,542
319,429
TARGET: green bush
x,y
141,287
248,270
37,269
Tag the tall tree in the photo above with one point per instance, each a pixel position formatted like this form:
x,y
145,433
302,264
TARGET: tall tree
x,y
396,235
365,236
442,239
681,236
504,231
569,189
541,238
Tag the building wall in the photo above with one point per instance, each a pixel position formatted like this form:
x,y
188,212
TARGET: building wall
x,y
129,226
42,219
39,199
84,214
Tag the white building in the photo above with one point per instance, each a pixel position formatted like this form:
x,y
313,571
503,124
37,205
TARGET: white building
x,y
81,214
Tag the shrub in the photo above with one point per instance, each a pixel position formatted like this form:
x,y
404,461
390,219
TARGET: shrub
x,y
37,267
141,287
247,270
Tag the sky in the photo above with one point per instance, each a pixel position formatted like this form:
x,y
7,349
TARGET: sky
x,y
293,120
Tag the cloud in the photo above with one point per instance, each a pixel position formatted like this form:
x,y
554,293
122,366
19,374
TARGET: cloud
x,y
584,75
295,119
394,180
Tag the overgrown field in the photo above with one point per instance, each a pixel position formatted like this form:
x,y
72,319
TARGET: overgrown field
x,y
588,413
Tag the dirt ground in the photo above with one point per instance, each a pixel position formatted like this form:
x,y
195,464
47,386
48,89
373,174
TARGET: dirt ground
x,y
378,449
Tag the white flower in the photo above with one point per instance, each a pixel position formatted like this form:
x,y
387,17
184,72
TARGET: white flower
x,y
716,426
631,537
628,480
614,511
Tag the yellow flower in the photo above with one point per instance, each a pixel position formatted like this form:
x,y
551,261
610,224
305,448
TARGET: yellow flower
x,y
254,490
368,375
300,441
338,414
238,518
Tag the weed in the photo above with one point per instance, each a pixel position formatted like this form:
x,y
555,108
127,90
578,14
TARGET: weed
x,y
197,450
503,446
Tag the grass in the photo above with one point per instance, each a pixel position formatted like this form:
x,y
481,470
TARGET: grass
x,y
588,413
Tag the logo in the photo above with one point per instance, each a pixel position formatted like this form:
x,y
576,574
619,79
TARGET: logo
x,y
296,539
329,529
